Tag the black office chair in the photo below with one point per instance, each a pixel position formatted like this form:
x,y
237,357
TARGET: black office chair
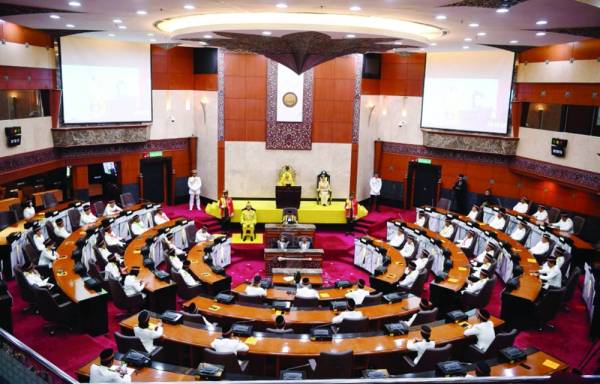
x,y
523,241
99,207
306,302
228,360
185,291
190,234
541,259
126,343
429,359
96,274
578,223
425,317
548,306
417,287
478,300
334,365
503,340
372,299
17,209
74,218
570,285
247,299
127,200
130,304
31,254
354,325
7,219
51,234
25,290
553,214
444,203
59,315
49,200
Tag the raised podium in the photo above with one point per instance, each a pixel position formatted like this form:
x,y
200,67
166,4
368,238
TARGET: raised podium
x,y
287,196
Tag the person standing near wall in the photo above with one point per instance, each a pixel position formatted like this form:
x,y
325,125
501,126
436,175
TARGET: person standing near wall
x,y
375,191
194,185
459,192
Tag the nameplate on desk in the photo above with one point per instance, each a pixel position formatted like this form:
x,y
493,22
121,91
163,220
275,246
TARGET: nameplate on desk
x,y
61,273
137,251
324,295
62,257
398,263
550,364
462,268
532,260
82,233
194,262
205,274
390,275
214,308
453,280
251,340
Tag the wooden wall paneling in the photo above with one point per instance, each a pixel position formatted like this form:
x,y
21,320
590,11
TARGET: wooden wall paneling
x,y
353,168
586,49
172,68
581,50
18,34
206,82
16,174
192,153
555,93
80,177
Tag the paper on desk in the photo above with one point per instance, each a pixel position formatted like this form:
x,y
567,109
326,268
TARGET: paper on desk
x,y
453,280
116,368
288,279
532,260
214,308
251,340
550,364
324,295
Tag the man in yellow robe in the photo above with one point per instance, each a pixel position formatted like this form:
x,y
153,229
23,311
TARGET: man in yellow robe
x,y
323,191
286,177
248,221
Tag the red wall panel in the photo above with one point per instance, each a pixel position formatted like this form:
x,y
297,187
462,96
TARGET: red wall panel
x,y
27,78
400,76
18,34
556,93
581,50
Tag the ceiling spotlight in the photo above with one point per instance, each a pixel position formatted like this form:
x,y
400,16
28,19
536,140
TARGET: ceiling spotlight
x,y
74,4
441,17
202,43
207,36
281,5
117,21
540,33
481,33
514,41
355,8
465,47
111,35
122,27
70,26
541,22
433,44
398,42
55,17
141,12
468,39
150,34
189,7
502,10
474,25
266,33
350,36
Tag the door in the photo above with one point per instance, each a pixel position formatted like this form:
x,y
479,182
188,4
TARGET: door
x,y
157,179
423,180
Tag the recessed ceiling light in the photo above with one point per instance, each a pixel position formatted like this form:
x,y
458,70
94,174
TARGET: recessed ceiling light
x,y
189,7
465,47
266,33
502,10
540,33
421,49
74,4
150,34
117,21
481,33
433,44
474,25
70,26
441,17
111,35
202,43
514,41
122,27
55,17
207,36
350,36
281,5
541,22
355,8
398,42
468,39
141,12
152,40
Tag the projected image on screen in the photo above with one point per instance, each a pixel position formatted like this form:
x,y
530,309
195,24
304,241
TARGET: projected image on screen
x,y
105,81
467,91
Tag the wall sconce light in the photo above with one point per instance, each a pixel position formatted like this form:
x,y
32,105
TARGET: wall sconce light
x,y
540,107
203,103
168,103
371,108
188,105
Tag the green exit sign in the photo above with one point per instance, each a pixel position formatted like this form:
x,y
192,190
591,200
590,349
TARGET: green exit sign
x,y
423,161
155,154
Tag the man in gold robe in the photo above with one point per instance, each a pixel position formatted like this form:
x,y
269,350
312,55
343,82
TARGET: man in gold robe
x,y
286,177
248,221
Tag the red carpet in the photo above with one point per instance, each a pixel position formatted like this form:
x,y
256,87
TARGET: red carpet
x,y
69,351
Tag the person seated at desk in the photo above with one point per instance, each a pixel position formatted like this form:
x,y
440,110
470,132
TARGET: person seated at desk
x,y
304,243
477,286
174,260
132,285
289,218
397,238
473,213
487,200
305,291
186,274
59,229
29,210
542,246
466,241
420,346
137,227
565,224
422,260
280,326
489,250
286,176
447,230
409,247
34,278
551,275
522,206
48,254
202,235
410,276
424,305
38,237
87,217
248,222
168,242
255,289
486,265
227,344
160,217
105,252
282,242
498,222
484,331
541,215
519,232
112,269
112,208
145,333
358,294
298,279
112,240
350,313
421,219
559,253
104,373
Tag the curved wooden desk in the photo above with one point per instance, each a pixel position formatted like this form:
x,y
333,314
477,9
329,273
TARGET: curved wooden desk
x,y
395,270
185,342
325,294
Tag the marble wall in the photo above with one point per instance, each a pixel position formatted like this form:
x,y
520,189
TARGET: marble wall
x,y
252,171
205,122
579,71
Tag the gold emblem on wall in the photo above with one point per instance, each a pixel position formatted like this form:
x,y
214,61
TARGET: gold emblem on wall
x,y
290,99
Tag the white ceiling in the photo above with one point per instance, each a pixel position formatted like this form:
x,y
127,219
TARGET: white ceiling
x,y
500,29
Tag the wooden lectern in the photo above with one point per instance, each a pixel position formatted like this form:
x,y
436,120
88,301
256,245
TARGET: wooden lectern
x,y
287,196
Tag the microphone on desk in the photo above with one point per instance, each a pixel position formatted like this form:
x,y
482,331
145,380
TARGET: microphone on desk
x,y
238,328
321,333
292,374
